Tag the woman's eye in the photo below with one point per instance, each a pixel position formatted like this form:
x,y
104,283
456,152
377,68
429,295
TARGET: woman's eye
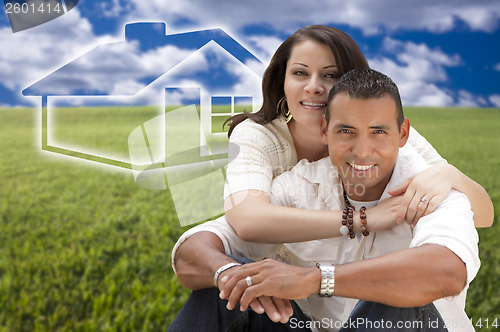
x,y
332,75
299,73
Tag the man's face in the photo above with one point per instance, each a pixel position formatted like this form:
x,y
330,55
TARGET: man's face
x,y
363,142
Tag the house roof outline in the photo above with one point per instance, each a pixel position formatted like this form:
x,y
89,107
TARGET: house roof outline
x,y
134,33
157,37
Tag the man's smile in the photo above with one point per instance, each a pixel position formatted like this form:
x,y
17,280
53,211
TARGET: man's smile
x,y
361,167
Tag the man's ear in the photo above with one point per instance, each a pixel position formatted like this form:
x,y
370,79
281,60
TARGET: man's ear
x,y
324,130
404,132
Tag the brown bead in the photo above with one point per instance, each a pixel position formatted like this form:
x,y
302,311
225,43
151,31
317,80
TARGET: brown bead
x,y
362,215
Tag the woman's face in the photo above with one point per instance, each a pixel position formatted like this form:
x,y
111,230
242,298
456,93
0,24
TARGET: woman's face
x,y
310,74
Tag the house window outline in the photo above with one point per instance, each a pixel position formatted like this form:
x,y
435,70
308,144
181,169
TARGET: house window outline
x,y
233,104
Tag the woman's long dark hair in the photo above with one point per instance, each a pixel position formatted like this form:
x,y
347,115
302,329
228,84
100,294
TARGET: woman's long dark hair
x,y
347,56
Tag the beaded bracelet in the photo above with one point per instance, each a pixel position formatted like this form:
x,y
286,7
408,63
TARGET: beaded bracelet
x,y
362,215
350,225
343,229
347,227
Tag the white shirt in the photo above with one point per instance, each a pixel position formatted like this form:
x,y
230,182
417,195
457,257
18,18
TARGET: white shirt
x,y
260,153
317,186
266,151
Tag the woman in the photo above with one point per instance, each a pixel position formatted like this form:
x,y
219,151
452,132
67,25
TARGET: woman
x,y
287,129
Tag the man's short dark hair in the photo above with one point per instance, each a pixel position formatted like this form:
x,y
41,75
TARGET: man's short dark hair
x,y
364,83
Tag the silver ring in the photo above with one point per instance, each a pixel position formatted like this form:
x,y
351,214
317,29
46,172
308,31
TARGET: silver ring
x,y
424,200
249,281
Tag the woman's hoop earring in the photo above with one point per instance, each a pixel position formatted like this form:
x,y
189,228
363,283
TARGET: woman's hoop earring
x,y
280,110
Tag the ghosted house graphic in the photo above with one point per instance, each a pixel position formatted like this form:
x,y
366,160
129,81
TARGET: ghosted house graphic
x,y
169,91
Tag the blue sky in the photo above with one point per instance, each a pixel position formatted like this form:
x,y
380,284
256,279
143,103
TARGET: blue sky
x,y
440,53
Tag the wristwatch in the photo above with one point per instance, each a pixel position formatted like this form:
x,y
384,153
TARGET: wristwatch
x,y
222,269
327,279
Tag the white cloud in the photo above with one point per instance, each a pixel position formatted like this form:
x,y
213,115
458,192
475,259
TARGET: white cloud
x,y
495,100
32,54
177,96
121,67
115,9
420,93
369,16
417,70
484,18
265,46
467,99
27,56
412,51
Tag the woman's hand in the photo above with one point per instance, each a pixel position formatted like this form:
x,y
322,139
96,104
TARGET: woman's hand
x,y
424,191
385,214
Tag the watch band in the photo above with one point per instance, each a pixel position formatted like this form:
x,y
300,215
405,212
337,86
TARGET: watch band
x,y
327,279
222,269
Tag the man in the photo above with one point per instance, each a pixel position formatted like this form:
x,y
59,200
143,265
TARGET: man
x,y
366,133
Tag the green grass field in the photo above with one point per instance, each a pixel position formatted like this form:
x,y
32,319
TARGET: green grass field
x,y
83,248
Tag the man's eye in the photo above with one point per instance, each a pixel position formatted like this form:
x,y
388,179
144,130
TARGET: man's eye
x,y
379,131
344,131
